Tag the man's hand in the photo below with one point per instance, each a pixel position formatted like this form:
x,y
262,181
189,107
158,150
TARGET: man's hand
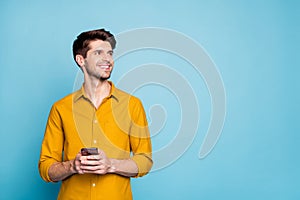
x,y
93,164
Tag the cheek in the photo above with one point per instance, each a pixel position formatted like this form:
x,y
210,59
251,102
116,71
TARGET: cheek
x,y
92,61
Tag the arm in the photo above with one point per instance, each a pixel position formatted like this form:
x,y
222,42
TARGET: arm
x,y
140,140
123,167
52,145
61,170
97,164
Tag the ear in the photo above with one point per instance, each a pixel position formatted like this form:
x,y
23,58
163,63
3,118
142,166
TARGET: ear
x,y
79,60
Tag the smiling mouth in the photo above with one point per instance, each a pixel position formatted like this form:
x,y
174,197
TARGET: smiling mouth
x,y
104,67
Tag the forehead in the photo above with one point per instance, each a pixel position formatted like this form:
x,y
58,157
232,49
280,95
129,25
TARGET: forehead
x,y
100,44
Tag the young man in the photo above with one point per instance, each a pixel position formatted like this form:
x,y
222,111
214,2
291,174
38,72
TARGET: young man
x,y
98,115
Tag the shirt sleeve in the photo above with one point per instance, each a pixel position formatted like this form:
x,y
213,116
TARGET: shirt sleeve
x,y
52,145
140,140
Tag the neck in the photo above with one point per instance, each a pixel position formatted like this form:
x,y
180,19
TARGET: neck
x,y
96,90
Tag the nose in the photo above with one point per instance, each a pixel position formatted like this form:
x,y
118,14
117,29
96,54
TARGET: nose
x,y
106,57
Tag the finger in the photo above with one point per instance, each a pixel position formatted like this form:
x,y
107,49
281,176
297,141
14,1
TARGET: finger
x,y
78,169
101,153
95,167
78,155
100,171
91,162
91,168
93,157
89,158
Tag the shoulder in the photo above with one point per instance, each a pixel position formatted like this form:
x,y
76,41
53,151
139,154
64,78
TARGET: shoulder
x,y
131,102
66,101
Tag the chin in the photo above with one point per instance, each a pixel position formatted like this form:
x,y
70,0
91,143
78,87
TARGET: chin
x,y
104,78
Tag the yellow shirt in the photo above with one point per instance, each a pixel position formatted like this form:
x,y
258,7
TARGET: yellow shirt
x,y
118,127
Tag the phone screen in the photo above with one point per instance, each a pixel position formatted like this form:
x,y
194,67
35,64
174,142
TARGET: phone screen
x,y
89,151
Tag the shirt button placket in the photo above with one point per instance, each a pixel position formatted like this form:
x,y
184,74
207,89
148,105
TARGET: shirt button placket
x,y
93,189
95,121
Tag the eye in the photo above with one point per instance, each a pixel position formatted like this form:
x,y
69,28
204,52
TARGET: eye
x,y
97,52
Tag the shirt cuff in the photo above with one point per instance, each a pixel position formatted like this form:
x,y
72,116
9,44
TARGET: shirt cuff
x,y
144,163
44,169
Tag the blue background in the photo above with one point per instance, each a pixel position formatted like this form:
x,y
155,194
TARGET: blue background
x,y
255,45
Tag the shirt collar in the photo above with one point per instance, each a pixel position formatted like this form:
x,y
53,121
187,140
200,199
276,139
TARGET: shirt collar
x,y
81,94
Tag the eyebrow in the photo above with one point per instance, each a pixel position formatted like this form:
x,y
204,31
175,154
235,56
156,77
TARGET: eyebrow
x,y
97,50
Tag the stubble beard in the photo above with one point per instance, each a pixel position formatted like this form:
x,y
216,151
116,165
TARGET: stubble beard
x,y
96,75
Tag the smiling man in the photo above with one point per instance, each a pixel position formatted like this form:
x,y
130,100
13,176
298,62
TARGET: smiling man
x,y
101,116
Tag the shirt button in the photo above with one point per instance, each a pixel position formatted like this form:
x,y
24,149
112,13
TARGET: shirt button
x,y
95,141
95,121
94,184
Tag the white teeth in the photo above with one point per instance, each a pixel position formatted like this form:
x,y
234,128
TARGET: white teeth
x,y
104,66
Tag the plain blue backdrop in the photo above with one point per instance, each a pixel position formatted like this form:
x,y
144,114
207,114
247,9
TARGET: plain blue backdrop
x,y
255,45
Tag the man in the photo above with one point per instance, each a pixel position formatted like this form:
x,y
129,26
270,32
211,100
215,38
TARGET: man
x,y
98,115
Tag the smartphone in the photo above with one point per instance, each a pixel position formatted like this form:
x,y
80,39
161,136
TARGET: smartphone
x,y
89,151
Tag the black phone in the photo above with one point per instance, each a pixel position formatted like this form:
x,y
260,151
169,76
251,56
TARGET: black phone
x,y
89,151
